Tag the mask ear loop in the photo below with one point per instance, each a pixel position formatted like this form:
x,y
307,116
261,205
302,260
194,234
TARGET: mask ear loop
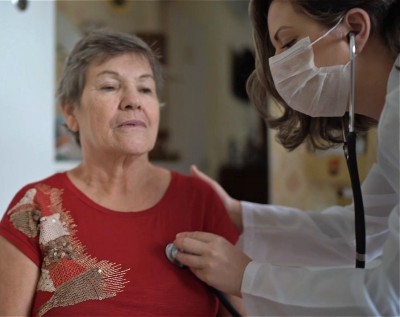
x,y
327,33
351,158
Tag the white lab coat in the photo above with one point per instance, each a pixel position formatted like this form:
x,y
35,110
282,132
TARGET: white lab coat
x,y
303,263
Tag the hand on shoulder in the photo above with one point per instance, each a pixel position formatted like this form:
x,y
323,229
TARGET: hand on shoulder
x,y
232,205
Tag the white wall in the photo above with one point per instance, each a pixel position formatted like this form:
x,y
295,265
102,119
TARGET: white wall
x,y
26,95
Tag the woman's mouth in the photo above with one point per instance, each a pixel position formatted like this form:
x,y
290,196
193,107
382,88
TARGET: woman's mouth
x,y
132,123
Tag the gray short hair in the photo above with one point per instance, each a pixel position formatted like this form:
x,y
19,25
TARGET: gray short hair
x,y
99,46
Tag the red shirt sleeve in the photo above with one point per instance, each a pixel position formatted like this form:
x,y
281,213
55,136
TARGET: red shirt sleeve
x,y
19,224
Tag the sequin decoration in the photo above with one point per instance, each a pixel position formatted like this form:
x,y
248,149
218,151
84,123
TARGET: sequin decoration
x,y
45,283
51,228
25,214
68,272
91,283
26,201
60,248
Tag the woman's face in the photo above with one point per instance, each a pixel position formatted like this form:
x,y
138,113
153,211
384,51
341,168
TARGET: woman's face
x,y
119,108
287,26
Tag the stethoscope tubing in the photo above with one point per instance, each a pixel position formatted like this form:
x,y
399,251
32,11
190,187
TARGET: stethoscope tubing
x,y
351,159
222,298
359,218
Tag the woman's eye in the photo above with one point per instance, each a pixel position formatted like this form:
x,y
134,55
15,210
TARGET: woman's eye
x,y
288,44
146,90
108,88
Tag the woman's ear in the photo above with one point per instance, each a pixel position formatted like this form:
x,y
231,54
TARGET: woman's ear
x,y
69,117
357,21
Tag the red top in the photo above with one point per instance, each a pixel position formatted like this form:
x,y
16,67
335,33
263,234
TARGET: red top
x,y
96,261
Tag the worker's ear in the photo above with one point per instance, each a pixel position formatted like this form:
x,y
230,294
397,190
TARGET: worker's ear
x,y
68,111
357,21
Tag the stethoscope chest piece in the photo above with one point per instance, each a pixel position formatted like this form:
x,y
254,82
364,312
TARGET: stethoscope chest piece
x,y
170,252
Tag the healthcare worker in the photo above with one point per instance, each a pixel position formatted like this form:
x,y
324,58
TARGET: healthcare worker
x,y
302,264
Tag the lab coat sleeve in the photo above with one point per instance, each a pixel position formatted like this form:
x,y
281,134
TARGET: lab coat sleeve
x,y
289,236
269,289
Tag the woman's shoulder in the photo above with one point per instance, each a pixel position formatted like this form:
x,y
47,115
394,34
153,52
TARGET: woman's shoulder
x,y
191,186
54,180
189,181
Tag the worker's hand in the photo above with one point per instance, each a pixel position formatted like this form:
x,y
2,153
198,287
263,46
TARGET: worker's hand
x,y
213,260
232,205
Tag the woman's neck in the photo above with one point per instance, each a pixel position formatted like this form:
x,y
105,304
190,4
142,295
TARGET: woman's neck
x,y
110,170
125,185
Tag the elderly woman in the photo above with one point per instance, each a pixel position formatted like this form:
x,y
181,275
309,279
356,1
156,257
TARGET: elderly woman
x,y
91,241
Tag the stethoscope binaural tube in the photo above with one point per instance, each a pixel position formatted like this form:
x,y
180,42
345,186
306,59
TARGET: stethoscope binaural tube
x,y
351,159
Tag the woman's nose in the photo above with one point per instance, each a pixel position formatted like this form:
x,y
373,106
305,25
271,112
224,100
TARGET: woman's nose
x,y
131,101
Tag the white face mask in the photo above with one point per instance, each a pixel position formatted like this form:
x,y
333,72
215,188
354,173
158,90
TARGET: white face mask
x,y
315,91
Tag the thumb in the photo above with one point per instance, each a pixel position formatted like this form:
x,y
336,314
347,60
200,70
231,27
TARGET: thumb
x,y
211,182
197,173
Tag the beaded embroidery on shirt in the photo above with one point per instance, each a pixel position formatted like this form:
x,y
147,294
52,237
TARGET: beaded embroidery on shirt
x,y
71,275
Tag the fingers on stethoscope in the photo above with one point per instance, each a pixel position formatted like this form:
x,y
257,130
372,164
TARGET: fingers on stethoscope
x,y
193,261
188,252
182,258
197,235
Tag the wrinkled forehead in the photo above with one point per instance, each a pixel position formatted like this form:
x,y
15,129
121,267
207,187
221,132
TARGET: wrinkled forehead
x,y
106,63
103,58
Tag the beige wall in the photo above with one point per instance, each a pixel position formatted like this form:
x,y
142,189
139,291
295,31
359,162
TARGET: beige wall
x,y
303,179
135,16
201,58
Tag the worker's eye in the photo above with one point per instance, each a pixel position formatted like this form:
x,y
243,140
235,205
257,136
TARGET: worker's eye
x,y
288,44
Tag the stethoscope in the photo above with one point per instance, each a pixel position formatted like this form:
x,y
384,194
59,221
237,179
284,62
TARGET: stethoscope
x,y
171,251
350,154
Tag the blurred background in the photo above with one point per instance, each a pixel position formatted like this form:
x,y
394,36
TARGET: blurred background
x,y
207,54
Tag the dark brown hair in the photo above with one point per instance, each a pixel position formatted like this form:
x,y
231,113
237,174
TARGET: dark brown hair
x,y
293,127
